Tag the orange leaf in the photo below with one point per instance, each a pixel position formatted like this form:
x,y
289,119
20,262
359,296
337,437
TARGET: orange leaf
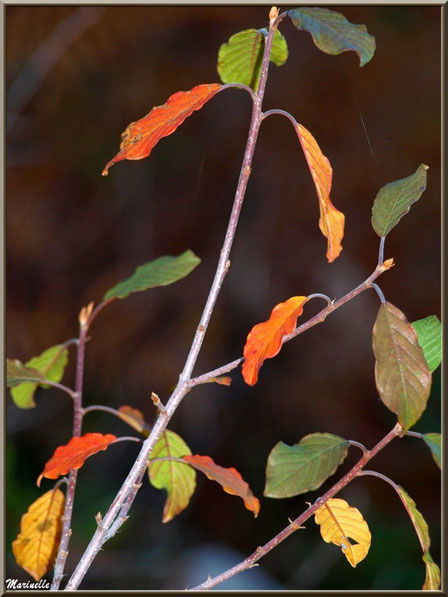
x,y
230,479
265,339
37,544
74,454
140,137
331,220
134,418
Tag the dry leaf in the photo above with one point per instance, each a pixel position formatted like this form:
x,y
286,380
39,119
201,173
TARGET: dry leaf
x,y
36,547
74,454
265,339
338,522
229,478
331,220
140,137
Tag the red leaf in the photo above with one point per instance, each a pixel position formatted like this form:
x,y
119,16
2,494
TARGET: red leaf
x,y
230,479
331,220
265,339
74,454
140,137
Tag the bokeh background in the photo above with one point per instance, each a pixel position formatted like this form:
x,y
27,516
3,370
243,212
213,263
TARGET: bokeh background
x,y
75,79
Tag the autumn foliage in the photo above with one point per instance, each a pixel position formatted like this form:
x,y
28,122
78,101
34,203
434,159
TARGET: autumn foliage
x,y
406,353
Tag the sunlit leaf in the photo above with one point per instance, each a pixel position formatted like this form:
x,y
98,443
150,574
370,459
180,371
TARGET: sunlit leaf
x,y
331,222
134,418
303,467
51,364
265,339
340,522
74,454
17,373
429,332
239,60
178,480
332,33
420,525
37,544
434,443
395,199
160,272
229,478
140,137
432,579
402,375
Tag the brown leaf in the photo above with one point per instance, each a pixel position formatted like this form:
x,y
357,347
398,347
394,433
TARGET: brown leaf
x,y
229,478
37,544
331,220
265,339
74,454
134,418
140,137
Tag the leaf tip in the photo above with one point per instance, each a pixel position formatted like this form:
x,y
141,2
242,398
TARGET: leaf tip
x,y
39,479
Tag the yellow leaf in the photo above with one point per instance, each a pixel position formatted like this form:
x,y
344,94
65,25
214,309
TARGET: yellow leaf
x,y
338,521
331,222
37,544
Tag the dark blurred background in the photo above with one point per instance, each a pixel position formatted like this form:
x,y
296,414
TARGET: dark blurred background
x,y
72,234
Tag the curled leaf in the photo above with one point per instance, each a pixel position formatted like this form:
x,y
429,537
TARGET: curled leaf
x,y
18,373
332,33
331,222
239,60
432,577
134,418
402,376
160,272
434,443
420,524
178,480
37,544
229,478
265,339
140,137
340,522
74,454
50,364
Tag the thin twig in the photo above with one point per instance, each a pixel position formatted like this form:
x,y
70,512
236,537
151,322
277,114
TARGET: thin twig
x,y
70,495
358,445
318,318
182,388
381,251
379,292
415,434
60,386
298,522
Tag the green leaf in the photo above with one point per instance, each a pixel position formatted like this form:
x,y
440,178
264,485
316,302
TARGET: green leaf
x,y
395,199
432,580
51,365
177,478
160,272
239,60
402,376
296,469
332,33
429,332
420,525
434,443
